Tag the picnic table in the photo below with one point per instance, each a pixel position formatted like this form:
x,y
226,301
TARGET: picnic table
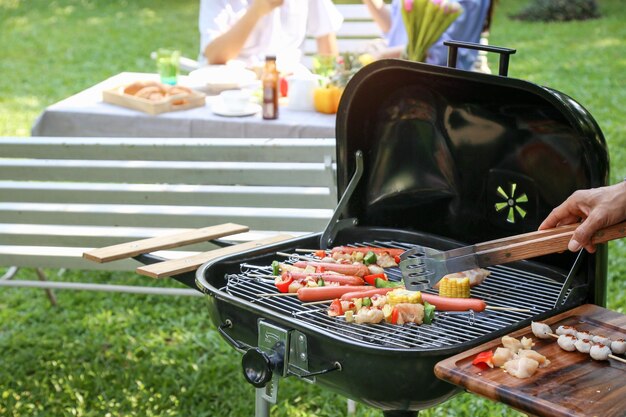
x,y
86,115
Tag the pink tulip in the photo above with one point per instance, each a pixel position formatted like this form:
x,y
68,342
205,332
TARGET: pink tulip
x,y
408,5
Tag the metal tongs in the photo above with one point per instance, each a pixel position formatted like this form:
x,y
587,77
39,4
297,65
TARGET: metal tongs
x,y
423,267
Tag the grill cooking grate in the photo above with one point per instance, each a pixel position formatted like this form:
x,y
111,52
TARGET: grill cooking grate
x,y
505,287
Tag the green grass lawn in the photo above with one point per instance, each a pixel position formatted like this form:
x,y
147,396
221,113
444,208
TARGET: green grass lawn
x,y
102,354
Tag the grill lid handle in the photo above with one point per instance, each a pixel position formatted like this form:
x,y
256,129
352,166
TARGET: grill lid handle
x,y
335,223
505,53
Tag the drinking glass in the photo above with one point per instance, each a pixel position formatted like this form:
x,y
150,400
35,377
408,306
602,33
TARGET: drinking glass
x,y
168,65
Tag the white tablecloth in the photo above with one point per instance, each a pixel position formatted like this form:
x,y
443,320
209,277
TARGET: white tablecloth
x,y
85,114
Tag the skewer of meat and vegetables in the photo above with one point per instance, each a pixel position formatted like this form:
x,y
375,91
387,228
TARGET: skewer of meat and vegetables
x,y
599,347
354,282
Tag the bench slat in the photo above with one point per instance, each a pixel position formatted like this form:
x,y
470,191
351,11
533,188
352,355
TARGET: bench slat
x,y
165,216
180,172
100,236
167,194
344,45
69,257
167,149
351,29
354,11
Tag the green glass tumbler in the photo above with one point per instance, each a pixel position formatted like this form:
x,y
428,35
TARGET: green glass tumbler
x,y
168,65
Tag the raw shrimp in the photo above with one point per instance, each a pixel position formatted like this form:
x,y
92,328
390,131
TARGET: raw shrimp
x,y
527,343
511,343
566,342
583,345
584,335
600,352
521,367
566,330
501,356
369,315
603,340
531,354
410,313
541,330
476,276
618,346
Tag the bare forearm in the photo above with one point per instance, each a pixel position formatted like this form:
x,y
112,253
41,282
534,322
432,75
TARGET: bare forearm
x,y
228,45
380,13
327,44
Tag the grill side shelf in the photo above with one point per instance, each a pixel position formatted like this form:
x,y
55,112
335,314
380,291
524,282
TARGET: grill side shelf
x,y
573,383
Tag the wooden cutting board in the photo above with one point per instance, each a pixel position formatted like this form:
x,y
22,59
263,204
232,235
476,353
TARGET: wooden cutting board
x,y
572,385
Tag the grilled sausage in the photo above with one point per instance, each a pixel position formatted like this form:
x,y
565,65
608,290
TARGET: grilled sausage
x,y
358,270
454,304
348,249
367,292
309,294
338,278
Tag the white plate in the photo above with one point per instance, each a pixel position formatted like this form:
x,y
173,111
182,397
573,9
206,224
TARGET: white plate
x,y
221,110
217,78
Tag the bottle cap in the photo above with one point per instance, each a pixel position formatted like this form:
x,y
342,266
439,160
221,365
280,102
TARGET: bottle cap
x,y
270,57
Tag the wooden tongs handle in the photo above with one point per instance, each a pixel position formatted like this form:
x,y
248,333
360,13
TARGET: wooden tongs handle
x,y
543,242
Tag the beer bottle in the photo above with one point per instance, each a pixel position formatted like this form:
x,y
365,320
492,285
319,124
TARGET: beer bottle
x,y
269,79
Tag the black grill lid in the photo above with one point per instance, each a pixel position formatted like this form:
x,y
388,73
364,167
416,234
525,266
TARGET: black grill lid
x,y
464,155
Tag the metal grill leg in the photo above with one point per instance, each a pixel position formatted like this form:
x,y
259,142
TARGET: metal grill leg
x,y
262,406
351,407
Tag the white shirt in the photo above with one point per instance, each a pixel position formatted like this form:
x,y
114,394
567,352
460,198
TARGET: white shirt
x,y
281,32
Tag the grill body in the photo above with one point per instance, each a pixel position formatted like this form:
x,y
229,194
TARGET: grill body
x,y
387,367
450,158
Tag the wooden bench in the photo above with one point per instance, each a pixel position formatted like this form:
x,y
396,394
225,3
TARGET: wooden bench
x,y
60,197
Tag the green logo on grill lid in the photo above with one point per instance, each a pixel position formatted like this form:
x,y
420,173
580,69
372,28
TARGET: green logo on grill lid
x,y
512,203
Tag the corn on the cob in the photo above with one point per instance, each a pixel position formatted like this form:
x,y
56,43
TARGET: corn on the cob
x,y
454,287
402,295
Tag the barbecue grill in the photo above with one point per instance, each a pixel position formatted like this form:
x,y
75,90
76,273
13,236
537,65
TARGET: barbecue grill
x,y
435,157
428,156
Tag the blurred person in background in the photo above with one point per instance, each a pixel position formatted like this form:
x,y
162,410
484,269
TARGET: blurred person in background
x,y
468,27
596,207
248,30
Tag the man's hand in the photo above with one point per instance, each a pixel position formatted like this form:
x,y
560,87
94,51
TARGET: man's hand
x,y
597,208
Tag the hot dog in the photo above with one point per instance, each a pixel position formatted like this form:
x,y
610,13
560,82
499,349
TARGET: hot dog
x,y
358,270
338,278
348,249
309,294
367,292
454,304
